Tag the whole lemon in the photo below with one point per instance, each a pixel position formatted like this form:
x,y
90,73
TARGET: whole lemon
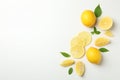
x,y
88,18
93,55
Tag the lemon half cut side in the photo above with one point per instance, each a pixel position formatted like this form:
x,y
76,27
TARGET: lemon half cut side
x,y
105,23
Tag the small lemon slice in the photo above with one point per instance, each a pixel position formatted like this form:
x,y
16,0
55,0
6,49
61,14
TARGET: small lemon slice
x,y
76,41
108,33
77,51
67,63
102,41
80,68
105,23
85,37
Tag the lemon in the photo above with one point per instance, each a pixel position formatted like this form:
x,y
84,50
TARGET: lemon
x,y
80,68
109,33
88,18
93,55
105,23
85,36
77,51
76,41
102,41
67,63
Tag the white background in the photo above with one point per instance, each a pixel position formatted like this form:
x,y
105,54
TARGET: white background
x,y
33,32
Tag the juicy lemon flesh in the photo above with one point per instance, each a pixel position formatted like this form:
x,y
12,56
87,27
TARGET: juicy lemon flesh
x,y
102,41
67,63
105,23
80,68
88,18
76,41
109,33
85,37
77,51
93,55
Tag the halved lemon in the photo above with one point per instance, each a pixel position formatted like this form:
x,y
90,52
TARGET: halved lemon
x,y
105,23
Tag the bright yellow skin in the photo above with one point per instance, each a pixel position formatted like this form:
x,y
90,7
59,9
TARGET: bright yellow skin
x,y
93,55
101,41
80,68
67,63
88,18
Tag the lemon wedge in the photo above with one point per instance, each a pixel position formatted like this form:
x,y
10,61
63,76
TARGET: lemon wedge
x,y
67,63
109,33
80,68
101,41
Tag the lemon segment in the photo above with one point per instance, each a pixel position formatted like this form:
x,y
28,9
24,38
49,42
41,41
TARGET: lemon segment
x,y
67,63
85,36
88,18
93,55
102,41
80,68
105,23
108,33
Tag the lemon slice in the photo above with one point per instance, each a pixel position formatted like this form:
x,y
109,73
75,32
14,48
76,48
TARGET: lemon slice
x,y
77,51
105,23
102,41
76,41
67,62
85,37
108,33
80,68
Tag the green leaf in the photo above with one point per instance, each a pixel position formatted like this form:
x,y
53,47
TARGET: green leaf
x,y
92,32
95,31
70,71
98,32
103,50
65,54
98,11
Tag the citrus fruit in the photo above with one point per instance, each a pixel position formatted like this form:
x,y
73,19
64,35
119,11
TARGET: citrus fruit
x,y
108,33
85,37
93,55
77,51
105,23
101,41
88,18
76,41
80,68
67,62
